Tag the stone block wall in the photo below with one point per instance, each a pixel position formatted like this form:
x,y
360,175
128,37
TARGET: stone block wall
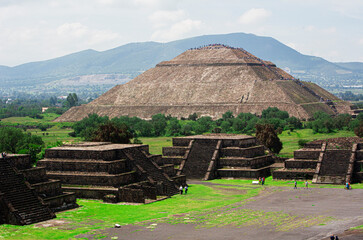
x,y
300,164
246,152
19,161
335,162
292,175
174,151
307,154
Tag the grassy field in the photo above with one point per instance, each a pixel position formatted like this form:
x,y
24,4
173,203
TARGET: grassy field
x,y
207,206
93,214
54,134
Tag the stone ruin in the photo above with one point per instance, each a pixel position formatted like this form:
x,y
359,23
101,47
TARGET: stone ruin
x,y
218,156
210,81
27,195
112,172
325,162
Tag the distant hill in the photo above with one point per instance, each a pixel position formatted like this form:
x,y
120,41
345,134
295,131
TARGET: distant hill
x,y
134,58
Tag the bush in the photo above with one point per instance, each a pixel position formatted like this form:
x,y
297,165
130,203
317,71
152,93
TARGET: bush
x,y
111,132
266,134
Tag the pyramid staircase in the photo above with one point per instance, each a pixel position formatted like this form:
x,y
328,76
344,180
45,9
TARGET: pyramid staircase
x,y
324,165
218,156
303,164
19,203
112,172
358,164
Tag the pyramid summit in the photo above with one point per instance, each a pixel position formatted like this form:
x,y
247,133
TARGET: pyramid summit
x,y
210,81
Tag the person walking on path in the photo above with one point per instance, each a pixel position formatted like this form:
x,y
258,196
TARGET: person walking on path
x,y
181,189
306,184
259,180
295,184
263,181
186,189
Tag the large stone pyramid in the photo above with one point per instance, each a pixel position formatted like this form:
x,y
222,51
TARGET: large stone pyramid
x,y
210,81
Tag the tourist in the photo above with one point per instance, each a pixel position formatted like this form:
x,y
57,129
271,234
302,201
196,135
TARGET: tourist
x,y
295,184
332,237
306,184
259,180
186,189
336,238
263,181
347,186
181,189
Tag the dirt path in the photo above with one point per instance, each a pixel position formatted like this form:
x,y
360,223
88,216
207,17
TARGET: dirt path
x,y
314,213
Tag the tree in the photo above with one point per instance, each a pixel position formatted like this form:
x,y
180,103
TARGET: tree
x,y
173,127
112,132
193,117
14,140
266,134
72,100
159,123
274,112
359,130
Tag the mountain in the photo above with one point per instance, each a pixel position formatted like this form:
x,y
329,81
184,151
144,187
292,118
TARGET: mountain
x,y
134,58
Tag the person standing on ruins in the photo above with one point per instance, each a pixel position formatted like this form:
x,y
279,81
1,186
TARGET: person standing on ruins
x,y
181,189
295,184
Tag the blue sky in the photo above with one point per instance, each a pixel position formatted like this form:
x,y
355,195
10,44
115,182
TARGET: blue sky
x,y
34,30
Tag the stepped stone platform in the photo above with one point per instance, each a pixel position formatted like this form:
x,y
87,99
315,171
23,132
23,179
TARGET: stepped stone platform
x,y
48,189
20,203
112,172
335,161
218,156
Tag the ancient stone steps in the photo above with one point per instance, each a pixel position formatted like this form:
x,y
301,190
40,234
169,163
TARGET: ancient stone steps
x,y
21,197
255,162
248,152
91,192
98,178
294,173
174,151
301,163
34,175
307,153
176,160
243,172
84,165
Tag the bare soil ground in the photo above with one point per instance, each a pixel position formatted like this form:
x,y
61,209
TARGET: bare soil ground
x,y
340,209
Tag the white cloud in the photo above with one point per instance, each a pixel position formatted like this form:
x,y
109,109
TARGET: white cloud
x,y
177,30
309,28
163,18
360,41
254,15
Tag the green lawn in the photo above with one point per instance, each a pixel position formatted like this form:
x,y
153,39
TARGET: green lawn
x,y
205,206
156,144
93,214
54,134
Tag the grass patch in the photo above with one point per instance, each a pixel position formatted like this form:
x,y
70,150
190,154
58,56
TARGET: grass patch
x,y
94,215
156,144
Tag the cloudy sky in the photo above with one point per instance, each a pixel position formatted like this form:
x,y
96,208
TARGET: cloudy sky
x,y
34,30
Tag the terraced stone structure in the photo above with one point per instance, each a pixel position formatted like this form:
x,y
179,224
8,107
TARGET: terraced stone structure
x,y
112,172
210,81
324,163
20,203
218,156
